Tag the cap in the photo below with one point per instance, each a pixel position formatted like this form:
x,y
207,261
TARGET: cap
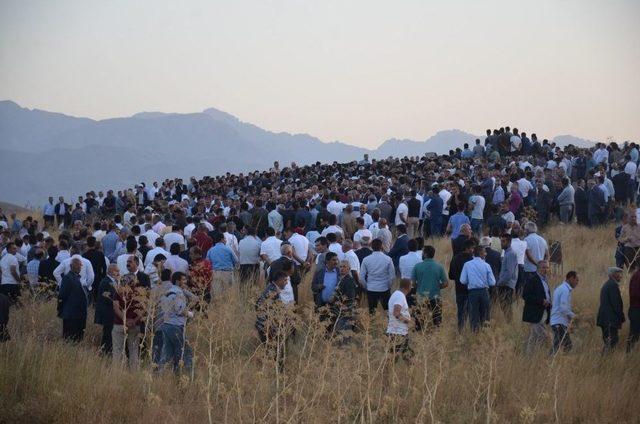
x,y
613,270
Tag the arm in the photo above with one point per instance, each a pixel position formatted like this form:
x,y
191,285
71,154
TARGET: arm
x,y
464,276
391,272
565,307
490,276
57,273
397,312
444,282
90,274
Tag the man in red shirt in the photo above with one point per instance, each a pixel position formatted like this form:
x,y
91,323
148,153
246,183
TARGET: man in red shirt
x,y
128,307
200,275
202,239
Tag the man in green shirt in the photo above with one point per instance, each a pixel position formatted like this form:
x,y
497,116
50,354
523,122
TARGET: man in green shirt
x,y
429,278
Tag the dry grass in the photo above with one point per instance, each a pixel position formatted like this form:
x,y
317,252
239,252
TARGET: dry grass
x,y
483,378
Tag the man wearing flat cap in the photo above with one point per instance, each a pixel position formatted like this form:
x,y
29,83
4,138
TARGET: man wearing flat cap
x,y
610,312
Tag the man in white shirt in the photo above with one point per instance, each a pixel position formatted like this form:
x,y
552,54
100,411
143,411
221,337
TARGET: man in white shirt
x,y
402,212
562,314
270,247
175,236
362,231
445,195
400,320
86,272
159,249
300,246
407,262
349,255
10,283
519,247
174,262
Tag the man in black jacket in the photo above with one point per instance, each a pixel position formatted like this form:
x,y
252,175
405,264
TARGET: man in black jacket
x,y
537,301
610,312
72,304
104,306
96,257
455,269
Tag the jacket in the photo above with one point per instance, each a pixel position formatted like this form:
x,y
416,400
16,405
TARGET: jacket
x,y
534,297
400,248
610,312
104,303
72,300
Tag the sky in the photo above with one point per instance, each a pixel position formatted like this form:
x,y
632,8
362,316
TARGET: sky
x,y
355,71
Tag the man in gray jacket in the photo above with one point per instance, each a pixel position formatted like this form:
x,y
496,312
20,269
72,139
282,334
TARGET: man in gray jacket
x,y
566,201
508,277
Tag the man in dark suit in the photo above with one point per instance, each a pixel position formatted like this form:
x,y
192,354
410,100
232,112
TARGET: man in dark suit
x,y
493,257
96,257
401,245
72,304
105,295
610,312
537,301
596,203
63,212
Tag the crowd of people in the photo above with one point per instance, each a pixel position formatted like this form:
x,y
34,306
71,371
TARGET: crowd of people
x,y
149,257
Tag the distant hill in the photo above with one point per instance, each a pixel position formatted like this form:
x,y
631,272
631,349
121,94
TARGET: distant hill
x,y
55,154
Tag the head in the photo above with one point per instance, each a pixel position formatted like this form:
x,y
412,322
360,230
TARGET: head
x,y
280,279
331,260
76,265
615,274
286,250
132,264
572,279
543,268
479,252
345,268
322,244
113,271
179,279
505,241
405,286
429,252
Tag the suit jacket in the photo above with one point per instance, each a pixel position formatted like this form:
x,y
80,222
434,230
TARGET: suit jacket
x,y
596,201
494,260
104,306
96,258
72,300
400,248
67,209
610,312
534,297
278,264
317,283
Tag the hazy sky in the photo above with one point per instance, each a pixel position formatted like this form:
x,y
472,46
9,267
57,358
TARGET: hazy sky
x,y
355,71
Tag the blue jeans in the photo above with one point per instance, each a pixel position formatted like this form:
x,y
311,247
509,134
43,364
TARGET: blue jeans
x,y
479,307
462,303
175,347
436,225
156,349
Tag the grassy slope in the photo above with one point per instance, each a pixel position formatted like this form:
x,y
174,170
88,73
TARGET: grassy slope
x,y
453,379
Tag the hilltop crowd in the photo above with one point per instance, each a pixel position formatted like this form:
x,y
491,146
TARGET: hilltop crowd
x,y
151,256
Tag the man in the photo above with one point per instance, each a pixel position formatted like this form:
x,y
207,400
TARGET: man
x,y
10,282
508,277
300,244
408,261
173,305
400,247
384,234
223,262
477,204
630,241
537,301
634,310
402,211
277,266
376,274
104,315
478,277
362,231
72,303
399,320
413,211
158,250
455,271
63,212
456,222
566,201
174,262
325,279
429,278
464,235
48,213
270,248
202,239
562,314
271,318
610,313
96,258
364,250
492,256
341,303
249,256
128,316
596,203
537,249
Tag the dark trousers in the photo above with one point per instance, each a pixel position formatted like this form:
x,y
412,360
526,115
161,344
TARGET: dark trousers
x,y
374,297
610,338
73,329
436,225
462,303
520,281
561,338
400,346
479,307
634,328
428,311
106,344
12,291
505,300
249,272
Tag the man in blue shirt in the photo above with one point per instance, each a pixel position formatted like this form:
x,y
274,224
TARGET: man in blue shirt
x,y
223,261
478,277
456,221
435,212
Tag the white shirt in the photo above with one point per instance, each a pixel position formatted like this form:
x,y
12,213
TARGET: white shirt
x,y
286,294
151,254
6,263
524,186
404,210
561,312
332,229
408,262
86,272
337,249
396,326
354,262
519,247
335,207
300,245
630,169
445,195
172,237
176,264
363,232
188,230
271,248
121,261
152,236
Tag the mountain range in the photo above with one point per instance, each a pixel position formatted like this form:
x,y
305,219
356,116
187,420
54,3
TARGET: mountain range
x,y
44,153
